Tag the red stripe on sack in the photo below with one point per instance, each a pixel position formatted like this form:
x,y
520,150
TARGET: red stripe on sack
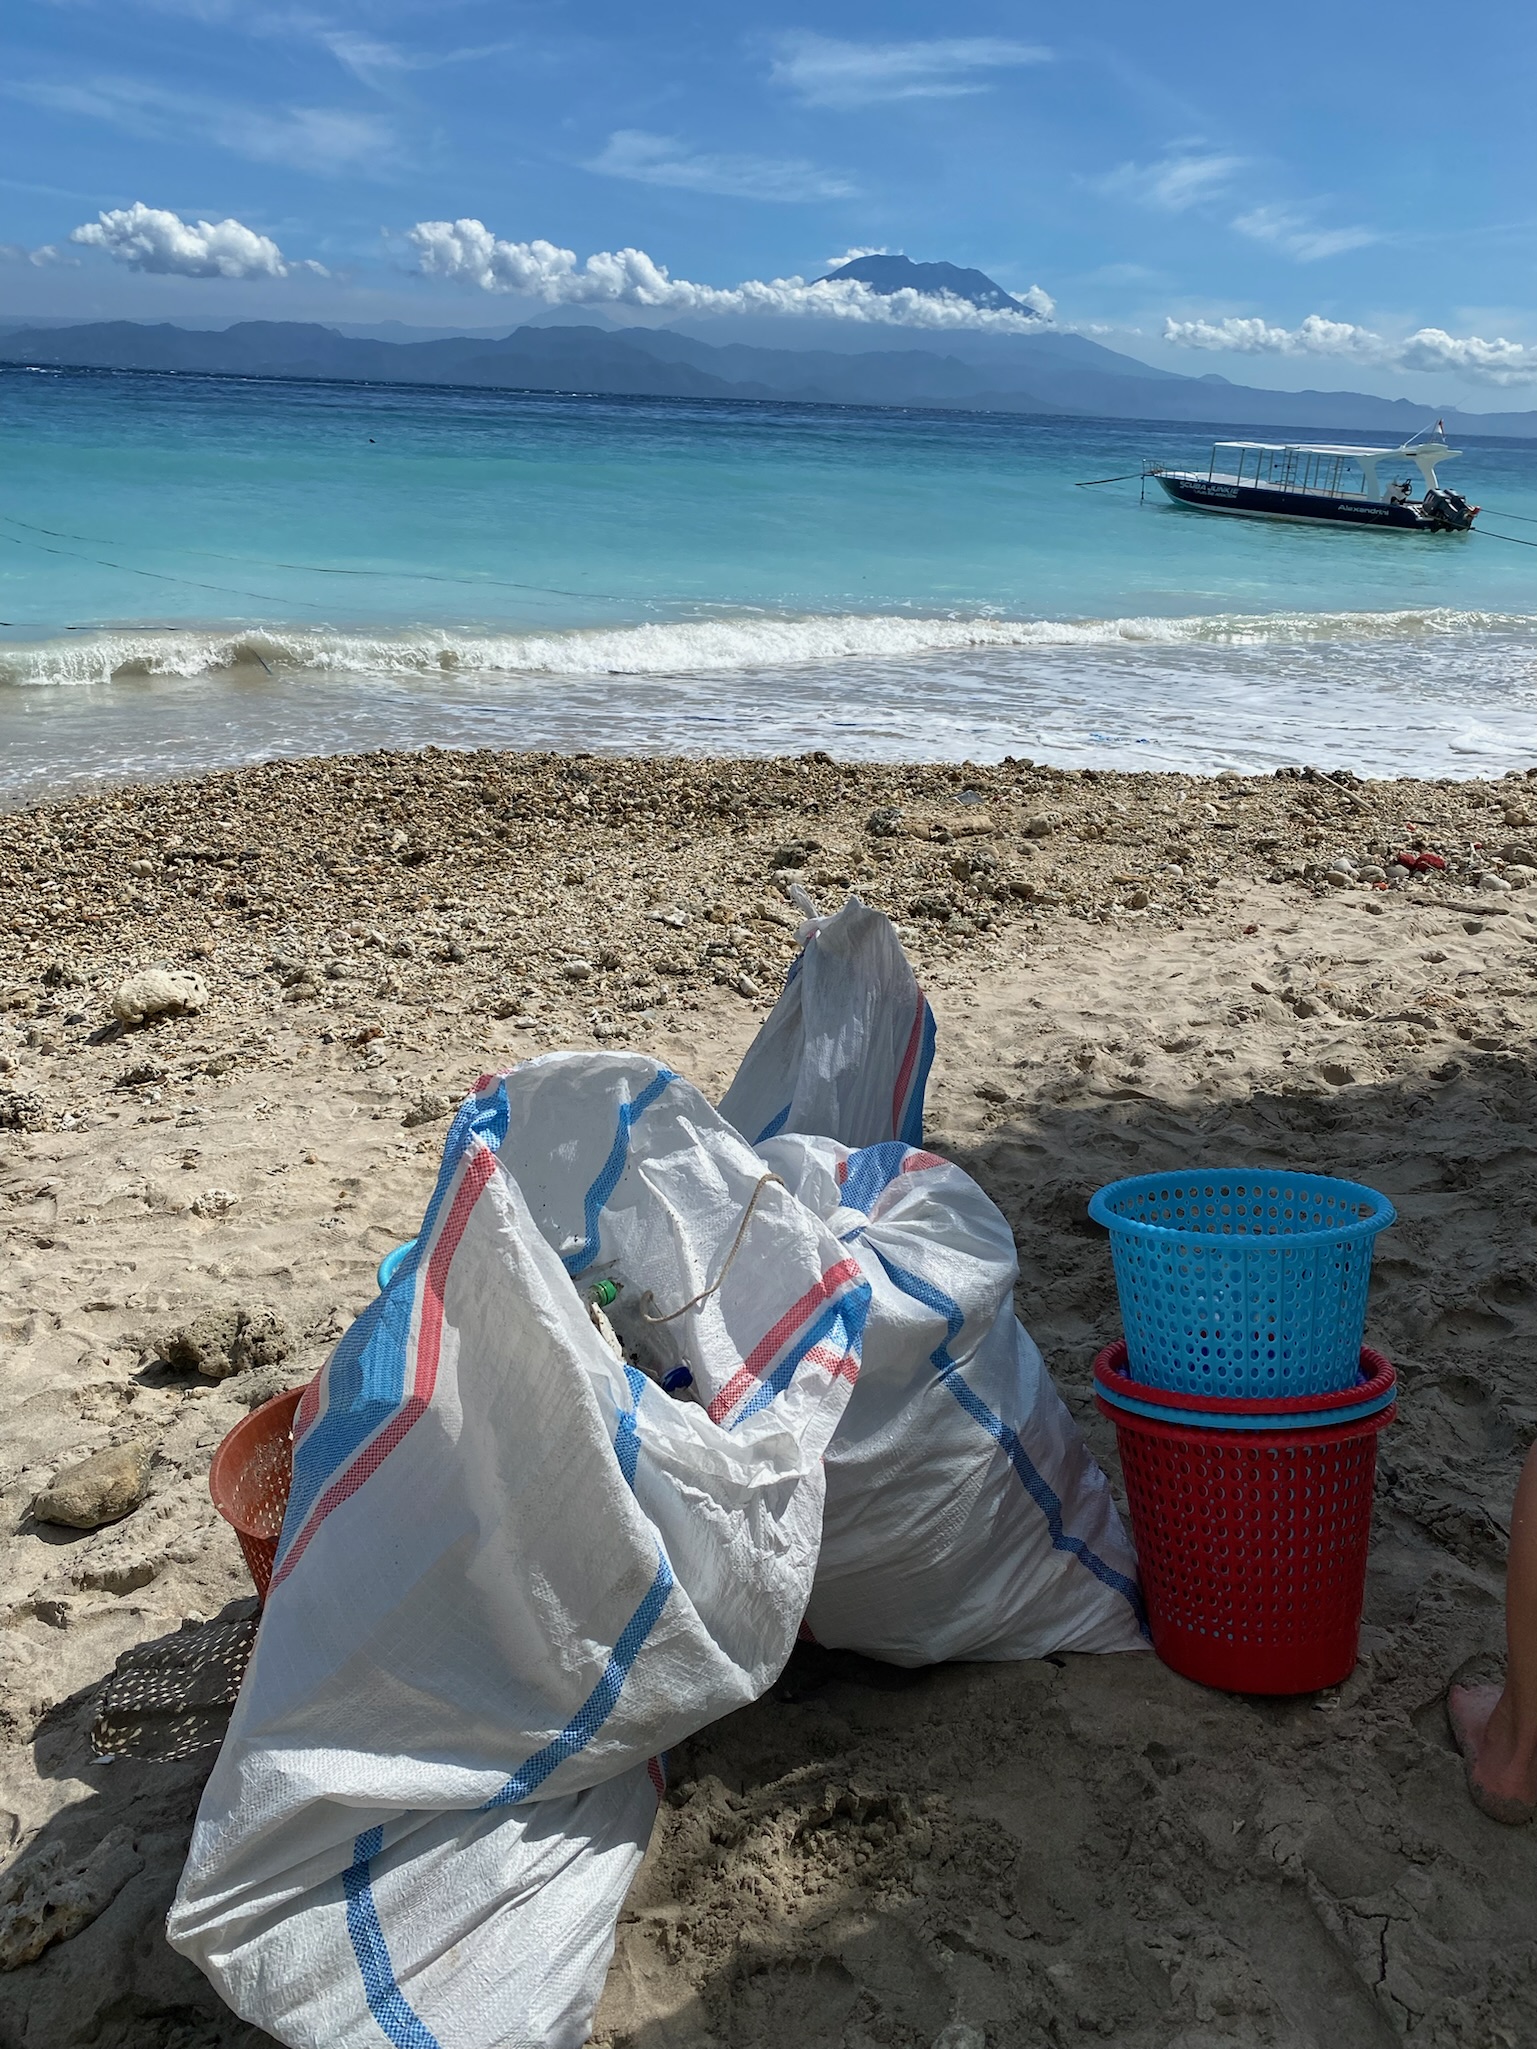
x,y
429,1346
836,1363
768,1348
843,1172
905,1071
657,1776
918,1163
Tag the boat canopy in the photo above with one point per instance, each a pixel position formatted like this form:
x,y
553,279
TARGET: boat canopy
x,y
1325,466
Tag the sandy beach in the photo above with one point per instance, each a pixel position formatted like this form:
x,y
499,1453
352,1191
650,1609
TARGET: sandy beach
x,y
1129,972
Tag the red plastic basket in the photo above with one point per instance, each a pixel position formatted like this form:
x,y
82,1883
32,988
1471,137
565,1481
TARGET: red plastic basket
x,y
1252,1546
249,1480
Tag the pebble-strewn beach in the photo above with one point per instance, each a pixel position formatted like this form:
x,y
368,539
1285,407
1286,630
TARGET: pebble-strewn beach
x,y
1129,972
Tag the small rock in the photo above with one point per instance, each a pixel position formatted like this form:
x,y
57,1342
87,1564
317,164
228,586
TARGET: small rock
x,y
885,822
145,1073
744,985
1043,827
427,1109
577,970
1336,1073
158,992
669,914
1372,873
1137,901
1308,1006
43,1900
214,1202
21,1111
1493,885
1520,876
225,1341
101,1489
959,2036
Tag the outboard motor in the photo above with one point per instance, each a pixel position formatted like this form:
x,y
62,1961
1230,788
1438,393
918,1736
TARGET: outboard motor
x,y
1447,510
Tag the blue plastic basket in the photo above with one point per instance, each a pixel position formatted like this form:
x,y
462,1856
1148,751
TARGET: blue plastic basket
x,y
1243,1281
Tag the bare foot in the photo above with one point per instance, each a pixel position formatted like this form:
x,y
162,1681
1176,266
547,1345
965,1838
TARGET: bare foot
x,y
1501,1783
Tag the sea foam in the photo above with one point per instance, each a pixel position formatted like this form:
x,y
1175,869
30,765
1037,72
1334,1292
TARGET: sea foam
x,y
679,647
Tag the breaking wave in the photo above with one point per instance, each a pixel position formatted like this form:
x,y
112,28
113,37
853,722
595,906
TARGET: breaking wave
x,y
683,646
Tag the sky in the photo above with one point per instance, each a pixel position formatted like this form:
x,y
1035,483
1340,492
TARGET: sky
x,y
1333,193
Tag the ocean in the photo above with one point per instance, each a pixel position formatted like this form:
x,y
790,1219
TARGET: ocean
x,y
197,571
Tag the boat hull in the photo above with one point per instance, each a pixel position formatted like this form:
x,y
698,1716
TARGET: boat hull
x,y
1259,501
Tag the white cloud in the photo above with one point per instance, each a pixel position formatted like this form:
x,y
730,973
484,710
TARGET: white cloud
x,y
40,258
365,56
1314,337
826,72
149,238
662,160
324,139
1175,183
467,252
1295,233
1497,362
1428,348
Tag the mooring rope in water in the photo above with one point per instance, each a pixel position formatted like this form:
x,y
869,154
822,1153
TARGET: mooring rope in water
x,y
304,568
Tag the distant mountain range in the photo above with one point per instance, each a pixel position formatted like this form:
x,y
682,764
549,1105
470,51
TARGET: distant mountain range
x,y
1046,372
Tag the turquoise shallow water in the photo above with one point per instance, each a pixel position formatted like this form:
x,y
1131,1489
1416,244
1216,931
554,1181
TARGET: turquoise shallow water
x,y
196,570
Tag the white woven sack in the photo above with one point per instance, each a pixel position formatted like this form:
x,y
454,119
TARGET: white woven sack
x,y
846,1051
513,1568
965,1516
447,1929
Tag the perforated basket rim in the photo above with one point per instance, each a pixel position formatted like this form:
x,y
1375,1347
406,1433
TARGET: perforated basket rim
x,y
1382,1211
1376,1376
231,1451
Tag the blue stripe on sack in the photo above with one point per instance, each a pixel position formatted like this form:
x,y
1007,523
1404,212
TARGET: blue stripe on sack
x,y
386,2002
365,1382
932,1298
912,1118
613,1167
871,1170
599,1704
846,1312
627,1436
1043,1497
774,1126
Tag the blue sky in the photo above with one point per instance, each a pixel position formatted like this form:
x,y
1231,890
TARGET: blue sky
x,y
1320,194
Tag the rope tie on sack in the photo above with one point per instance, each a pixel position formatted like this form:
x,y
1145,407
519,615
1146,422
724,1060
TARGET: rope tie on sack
x,y
714,1287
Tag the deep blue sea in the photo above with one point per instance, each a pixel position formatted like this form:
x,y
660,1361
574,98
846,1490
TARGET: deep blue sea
x,y
197,571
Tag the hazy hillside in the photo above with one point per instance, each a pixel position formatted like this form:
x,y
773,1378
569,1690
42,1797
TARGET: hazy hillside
x,y
1028,373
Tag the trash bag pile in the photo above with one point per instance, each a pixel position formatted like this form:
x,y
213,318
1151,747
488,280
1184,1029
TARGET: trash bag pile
x,y
658,1387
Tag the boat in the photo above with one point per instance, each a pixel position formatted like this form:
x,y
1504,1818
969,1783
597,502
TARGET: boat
x,y
1340,485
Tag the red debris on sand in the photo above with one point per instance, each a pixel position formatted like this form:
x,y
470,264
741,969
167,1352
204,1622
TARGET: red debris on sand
x,y
1419,863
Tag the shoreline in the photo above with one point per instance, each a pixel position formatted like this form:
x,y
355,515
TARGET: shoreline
x,y
1078,1848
